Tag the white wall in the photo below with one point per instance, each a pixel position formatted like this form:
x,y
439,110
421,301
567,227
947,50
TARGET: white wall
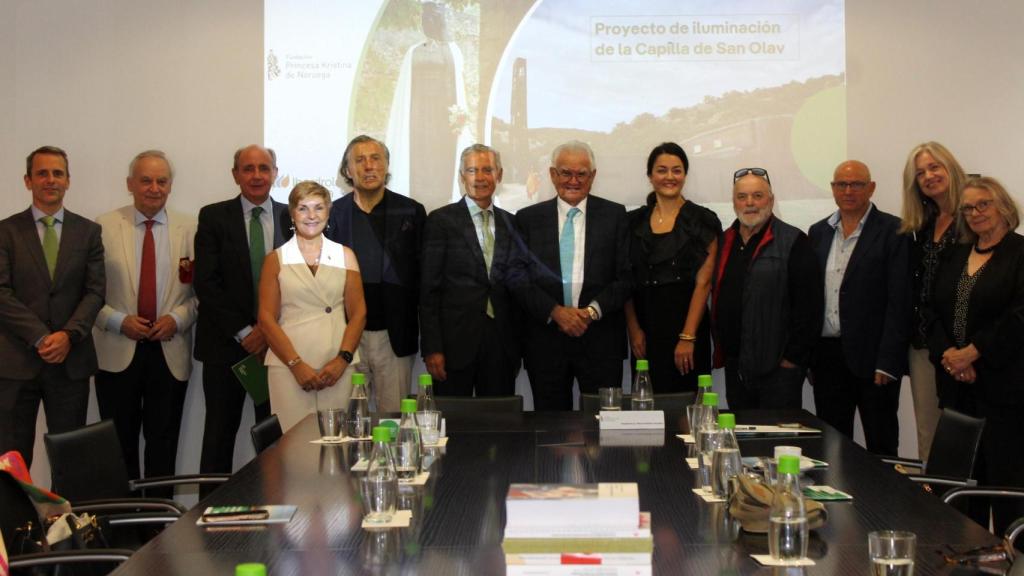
x,y
105,79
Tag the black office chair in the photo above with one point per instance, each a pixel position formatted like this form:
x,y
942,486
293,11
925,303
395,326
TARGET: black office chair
x,y
471,404
1015,529
672,402
265,432
21,526
953,453
89,471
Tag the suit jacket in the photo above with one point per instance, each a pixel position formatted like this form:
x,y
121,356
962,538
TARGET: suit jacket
x,y
222,278
456,285
606,275
32,305
403,233
874,297
115,350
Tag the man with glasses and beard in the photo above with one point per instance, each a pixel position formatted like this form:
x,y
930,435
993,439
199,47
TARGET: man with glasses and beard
x,y
767,301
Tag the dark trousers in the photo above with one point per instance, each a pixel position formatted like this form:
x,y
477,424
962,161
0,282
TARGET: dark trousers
x,y
145,396
491,373
553,366
65,402
782,388
225,398
838,393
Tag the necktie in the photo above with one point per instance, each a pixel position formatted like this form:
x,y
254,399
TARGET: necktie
x,y
147,275
485,215
50,243
566,249
256,251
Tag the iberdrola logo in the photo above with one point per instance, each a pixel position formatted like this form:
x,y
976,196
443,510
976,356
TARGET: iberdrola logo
x,y
284,181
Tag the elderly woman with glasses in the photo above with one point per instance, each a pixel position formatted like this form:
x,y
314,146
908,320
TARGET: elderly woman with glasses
x,y
672,252
932,179
976,335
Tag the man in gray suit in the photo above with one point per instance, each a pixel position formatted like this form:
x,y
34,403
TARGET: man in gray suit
x,y
51,288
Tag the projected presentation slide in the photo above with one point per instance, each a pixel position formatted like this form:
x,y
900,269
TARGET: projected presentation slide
x,y
736,83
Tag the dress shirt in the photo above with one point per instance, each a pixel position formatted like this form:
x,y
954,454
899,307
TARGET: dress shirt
x,y
161,244
58,222
835,268
267,220
579,246
478,221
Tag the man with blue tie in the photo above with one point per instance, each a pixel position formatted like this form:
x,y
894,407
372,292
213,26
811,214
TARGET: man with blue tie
x,y
579,275
51,288
232,239
472,256
144,331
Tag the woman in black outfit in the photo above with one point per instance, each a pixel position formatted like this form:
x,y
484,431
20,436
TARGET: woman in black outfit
x,y
672,248
976,337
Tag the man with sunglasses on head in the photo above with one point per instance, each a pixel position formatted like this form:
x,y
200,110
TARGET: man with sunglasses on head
x,y
579,281
766,301
861,356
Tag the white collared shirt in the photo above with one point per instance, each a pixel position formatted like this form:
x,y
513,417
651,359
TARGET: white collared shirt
x,y
835,268
478,221
579,243
266,219
58,222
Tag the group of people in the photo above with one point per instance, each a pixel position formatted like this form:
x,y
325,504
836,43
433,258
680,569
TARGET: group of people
x,y
568,288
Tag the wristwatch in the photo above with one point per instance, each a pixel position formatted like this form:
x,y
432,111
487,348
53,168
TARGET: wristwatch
x,y
593,313
346,356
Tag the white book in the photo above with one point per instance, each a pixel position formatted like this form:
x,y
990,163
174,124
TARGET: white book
x,y
580,559
546,506
578,570
642,529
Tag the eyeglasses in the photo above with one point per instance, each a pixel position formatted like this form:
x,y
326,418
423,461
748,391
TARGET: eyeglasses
x,y
760,172
980,207
856,185
567,175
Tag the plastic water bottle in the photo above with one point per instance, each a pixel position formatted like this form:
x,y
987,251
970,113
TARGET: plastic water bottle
x,y
425,396
705,415
706,436
703,385
643,392
380,485
358,408
787,520
726,463
408,449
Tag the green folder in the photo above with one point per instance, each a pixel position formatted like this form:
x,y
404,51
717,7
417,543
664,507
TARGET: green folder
x,y
251,372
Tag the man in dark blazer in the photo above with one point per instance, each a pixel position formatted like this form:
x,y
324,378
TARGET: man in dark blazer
x,y
384,229
472,255
52,286
579,276
228,258
862,354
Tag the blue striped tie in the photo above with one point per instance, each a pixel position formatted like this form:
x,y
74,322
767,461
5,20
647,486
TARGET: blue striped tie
x,y
566,248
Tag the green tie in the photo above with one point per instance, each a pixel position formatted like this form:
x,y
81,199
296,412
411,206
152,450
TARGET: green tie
x,y
256,251
50,243
485,215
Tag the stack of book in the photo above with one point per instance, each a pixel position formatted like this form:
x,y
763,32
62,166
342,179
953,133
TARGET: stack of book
x,y
576,530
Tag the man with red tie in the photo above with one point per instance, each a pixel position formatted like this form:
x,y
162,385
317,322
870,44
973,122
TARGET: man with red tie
x,y
144,332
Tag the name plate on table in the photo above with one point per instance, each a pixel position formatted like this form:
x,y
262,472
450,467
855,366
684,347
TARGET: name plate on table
x,y
633,437
632,420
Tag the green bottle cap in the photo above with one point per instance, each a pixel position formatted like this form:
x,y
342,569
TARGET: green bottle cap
x,y
426,380
710,399
251,569
704,381
727,420
358,379
381,433
642,366
408,405
392,428
789,464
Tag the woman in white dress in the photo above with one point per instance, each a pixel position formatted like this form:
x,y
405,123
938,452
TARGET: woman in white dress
x,y
311,310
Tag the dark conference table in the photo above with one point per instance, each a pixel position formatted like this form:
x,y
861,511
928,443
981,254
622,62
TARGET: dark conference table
x,y
459,515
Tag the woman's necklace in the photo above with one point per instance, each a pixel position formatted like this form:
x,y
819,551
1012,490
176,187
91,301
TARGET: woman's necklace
x,y
657,209
978,250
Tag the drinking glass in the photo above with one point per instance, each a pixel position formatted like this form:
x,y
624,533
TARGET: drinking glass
x,y
892,552
611,398
332,423
428,421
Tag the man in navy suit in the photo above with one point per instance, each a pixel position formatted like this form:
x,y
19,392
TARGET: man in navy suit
x,y
472,255
384,229
232,238
52,285
861,356
579,282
